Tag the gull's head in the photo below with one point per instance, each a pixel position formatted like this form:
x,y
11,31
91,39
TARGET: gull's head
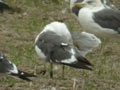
x,y
73,8
89,3
72,2
86,42
90,39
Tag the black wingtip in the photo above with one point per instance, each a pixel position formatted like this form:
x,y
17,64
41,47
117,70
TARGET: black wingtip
x,y
80,66
85,64
23,75
26,74
81,63
24,78
86,67
85,61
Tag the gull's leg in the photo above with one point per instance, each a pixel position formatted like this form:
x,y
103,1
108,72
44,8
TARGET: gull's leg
x,y
63,67
51,70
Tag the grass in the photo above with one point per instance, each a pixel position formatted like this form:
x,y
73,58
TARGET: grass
x,y
17,34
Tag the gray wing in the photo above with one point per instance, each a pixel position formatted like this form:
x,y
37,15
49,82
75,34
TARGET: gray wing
x,y
5,64
108,18
51,46
57,50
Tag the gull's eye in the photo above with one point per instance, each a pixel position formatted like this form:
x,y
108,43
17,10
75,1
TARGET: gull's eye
x,y
89,2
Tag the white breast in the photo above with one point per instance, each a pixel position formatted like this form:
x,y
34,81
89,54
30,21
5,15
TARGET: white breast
x,y
39,52
89,25
86,21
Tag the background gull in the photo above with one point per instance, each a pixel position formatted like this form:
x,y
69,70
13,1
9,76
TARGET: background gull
x,y
75,10
85,42
54,44
94,17
9,68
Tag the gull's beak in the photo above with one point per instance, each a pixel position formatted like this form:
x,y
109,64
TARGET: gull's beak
x,y
79,5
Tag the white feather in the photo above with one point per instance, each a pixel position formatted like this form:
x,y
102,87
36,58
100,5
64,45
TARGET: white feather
x,y
14,70
39,52
71,59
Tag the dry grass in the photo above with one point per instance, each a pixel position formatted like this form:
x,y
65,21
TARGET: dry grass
x,y
17,34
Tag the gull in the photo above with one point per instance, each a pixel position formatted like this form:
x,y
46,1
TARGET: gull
x,y
9,68
85,42
75,10
95,18
54,44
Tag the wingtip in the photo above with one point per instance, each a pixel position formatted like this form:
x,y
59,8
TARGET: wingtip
x,y
90,64
23,75
27,74
88,68
85,61
80,65
25,78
